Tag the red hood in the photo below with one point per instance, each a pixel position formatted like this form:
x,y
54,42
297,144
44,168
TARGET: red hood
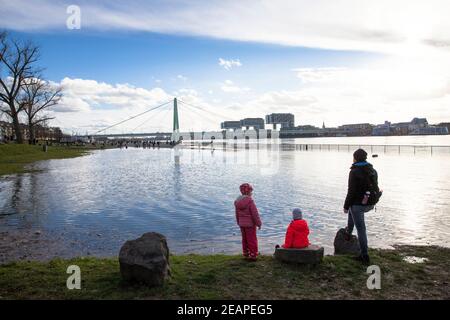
x,y
299,225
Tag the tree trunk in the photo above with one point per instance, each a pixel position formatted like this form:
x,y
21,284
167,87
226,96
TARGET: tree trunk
x,y
16,127
31,134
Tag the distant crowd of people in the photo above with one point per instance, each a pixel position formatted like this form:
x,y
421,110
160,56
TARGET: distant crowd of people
x,y
145,144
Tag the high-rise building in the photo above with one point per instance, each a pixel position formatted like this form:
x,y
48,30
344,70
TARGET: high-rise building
x,y
231,125
357,129
255,123
445,124
286,120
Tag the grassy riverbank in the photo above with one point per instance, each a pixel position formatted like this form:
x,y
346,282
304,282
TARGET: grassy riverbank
x,y
230,277
15,157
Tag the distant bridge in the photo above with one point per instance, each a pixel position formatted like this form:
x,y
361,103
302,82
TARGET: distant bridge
x,y
154,135
175,134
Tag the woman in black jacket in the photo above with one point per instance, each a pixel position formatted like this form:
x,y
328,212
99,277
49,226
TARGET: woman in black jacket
x,y
361,178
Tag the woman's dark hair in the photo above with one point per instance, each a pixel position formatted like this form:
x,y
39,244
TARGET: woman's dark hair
x,y
360,155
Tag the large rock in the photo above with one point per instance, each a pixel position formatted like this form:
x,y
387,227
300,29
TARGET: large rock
x,y
310,255
145,259
345,243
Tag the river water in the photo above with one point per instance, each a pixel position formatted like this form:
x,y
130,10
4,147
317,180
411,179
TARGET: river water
x,y
103,199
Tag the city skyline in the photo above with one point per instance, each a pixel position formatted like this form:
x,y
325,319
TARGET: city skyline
x,y
321,62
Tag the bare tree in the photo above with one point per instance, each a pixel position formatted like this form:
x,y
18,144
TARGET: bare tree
x,y
17,65
34,99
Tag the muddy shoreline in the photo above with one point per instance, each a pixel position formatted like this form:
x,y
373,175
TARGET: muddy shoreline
x,y
45,245
39,245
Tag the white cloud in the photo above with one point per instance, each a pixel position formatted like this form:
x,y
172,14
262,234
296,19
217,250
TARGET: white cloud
x,y
308,75
230,87
186,91
407,27
69,103
188,95
86,103
107,96
394,89
413,81
229,64
384,91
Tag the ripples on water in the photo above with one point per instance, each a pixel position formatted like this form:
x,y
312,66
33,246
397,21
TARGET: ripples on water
x,y
105,198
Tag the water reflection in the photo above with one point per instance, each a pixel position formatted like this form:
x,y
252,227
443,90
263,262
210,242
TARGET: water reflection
x,y
188,196
10,191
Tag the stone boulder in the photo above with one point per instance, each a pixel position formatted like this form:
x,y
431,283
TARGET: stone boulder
x,y
309,255
145,260
345,243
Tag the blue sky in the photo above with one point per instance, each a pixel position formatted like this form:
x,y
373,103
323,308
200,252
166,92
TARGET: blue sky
x,y
141,58
356,61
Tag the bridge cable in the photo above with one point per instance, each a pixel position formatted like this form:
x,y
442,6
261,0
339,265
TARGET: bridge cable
x,y
202,109
152,116
193,110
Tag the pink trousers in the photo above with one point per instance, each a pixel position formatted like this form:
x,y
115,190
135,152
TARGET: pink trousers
x,y
249,242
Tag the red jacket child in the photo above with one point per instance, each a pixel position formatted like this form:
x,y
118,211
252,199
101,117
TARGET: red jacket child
x,y
246,212
297,232
247,218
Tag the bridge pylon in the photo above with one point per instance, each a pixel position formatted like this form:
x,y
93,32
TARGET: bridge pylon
x,y
176,124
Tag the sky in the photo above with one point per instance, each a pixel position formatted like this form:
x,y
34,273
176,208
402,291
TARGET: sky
x,y
336,61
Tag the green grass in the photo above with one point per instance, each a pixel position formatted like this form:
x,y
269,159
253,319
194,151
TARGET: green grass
x,y
230,277
15,157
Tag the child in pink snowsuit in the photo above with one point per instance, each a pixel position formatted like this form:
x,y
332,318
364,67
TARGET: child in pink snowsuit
x,y
247,218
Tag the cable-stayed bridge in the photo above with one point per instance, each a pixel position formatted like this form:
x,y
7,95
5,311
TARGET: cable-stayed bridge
x,y
196,111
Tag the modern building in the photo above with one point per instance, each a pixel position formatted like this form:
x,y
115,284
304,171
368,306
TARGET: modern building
x,y
357,129
417,126
382,129
247,123
445,124
255,123
227,125
307,131
400,129
405,128
418,123
7,129
286,120
40,132
300,132
431,130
